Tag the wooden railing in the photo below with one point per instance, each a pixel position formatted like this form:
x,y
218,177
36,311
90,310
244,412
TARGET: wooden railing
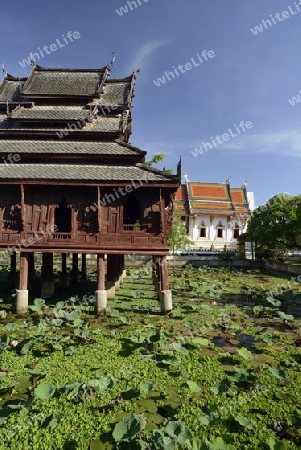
x,y
132,227
62,236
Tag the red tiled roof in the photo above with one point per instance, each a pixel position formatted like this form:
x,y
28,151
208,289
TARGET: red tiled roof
x,y
209,191
181,194
181,200
211,198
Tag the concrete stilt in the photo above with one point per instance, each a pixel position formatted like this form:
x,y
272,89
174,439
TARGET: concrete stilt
x,y
100,302
22,302
22,292
166,302
110,288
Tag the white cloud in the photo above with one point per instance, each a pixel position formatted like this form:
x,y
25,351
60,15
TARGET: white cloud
x,y
287,142
143,55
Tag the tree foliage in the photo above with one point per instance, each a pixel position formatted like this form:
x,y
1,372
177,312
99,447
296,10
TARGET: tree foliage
x,y
277,224
177,235
156,159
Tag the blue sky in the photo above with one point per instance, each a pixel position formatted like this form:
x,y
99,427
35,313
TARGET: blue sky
x,y
250,78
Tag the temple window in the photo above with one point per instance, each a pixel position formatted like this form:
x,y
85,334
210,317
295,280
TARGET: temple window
x,y
236,231
132,213
203,230
63,217
220,229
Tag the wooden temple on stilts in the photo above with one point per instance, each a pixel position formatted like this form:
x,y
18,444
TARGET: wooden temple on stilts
x,y
72,183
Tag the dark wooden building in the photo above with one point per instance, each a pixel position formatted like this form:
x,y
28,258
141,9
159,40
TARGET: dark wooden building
x,y
72,183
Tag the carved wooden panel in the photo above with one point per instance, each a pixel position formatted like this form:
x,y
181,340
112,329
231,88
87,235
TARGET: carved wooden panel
x,y
143,241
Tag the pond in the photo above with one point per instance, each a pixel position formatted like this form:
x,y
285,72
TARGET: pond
x,y
221,372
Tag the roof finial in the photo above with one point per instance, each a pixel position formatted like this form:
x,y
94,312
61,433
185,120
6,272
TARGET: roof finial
x,y
113,58
4,70
179,169
245,183
229,178
138,70
32,61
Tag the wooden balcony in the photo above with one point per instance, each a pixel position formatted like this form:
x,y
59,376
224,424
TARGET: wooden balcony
x,y
61,237
130,227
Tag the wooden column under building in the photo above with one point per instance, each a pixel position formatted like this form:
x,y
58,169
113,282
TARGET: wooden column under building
x,y
74,267
121,267
117,265
64,263
156,274
31,266
165,294
64,278
47,290
111,276
13,265
163,270
22,292
84,267
101,293
12,276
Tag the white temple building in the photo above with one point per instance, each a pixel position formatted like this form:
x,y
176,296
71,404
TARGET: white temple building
x,y
215,214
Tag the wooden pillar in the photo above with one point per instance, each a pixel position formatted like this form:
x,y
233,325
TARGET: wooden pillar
x,y
156,275
101,294
101,269
117,264
158,272
64,277
74,267
64,263
31,267
84,267
47,276
163,270
22,292
165,294
13,264
121,268
111,270
47,266
23,285
111,276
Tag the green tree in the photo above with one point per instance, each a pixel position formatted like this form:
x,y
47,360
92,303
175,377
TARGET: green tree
x,y
277,224
177,236
156,159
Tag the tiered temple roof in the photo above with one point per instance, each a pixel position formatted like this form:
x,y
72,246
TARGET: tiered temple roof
x,y
71,124
211,198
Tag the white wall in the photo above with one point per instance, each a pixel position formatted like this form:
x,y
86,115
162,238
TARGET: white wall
x,y
211,224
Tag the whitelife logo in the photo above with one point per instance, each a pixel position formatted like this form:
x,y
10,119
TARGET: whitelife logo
x,y
221,139
53,48
167,76
280,17
293,101
124,9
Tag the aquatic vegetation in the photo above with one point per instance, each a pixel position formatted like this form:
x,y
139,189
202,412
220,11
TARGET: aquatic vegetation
x,y
222,372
